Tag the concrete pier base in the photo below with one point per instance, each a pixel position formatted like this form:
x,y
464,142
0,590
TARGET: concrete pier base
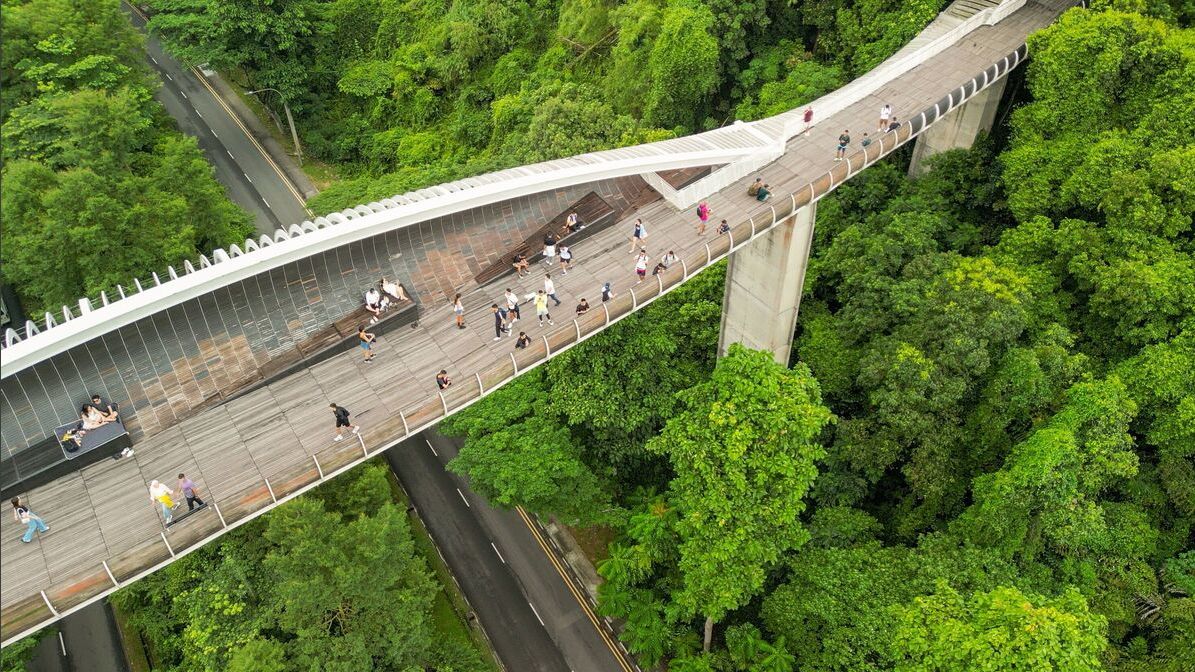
x,y
764,281
958,129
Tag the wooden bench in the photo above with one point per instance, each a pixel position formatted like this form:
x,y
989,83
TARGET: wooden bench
x,y
593,214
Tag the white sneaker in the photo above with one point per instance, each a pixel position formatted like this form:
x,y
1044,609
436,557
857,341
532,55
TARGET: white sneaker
x,y
357,429
497,338
551,322
339,437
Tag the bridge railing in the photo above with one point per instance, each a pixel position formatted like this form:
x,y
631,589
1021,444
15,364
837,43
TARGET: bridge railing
x,y
684,198
838,100
232,510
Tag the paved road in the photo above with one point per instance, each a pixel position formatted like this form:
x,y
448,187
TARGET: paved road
x,y
91,640
535,620
242,166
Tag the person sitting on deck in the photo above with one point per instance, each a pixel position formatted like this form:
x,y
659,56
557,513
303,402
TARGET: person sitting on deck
x,y
109,410
571,224
894,125
92,417
759,189
442,379
373,303
394,290
583,307
520,264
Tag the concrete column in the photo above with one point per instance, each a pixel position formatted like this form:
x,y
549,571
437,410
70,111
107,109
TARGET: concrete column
x,y
959,128
764,281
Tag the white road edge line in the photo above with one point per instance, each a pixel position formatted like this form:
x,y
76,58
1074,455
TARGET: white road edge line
x,y
154,60
230,154
62,643
247,177
183,92
498,552
458,491
213,132
429,445
541,621
263,200
168,76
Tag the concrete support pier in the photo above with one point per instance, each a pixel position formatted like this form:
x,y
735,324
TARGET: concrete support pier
x,y
764,281
958,129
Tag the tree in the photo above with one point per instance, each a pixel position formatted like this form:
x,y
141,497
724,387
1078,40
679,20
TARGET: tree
x,y
259,655
350,592
1000,630
684,68
743,449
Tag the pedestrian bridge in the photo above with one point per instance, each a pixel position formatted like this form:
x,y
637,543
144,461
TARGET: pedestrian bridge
x,y
212,363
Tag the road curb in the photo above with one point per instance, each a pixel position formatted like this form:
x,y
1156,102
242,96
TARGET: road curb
x,y
570,551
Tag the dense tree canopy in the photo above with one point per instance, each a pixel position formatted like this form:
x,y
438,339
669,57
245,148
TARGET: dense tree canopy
x,y
97,187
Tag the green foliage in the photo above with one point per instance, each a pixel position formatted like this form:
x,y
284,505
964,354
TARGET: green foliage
x,y
683,66
89,168
15,656
1002,629
742,446
330,581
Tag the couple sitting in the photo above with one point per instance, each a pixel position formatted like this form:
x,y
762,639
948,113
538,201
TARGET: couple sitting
x,y
378,302
759,189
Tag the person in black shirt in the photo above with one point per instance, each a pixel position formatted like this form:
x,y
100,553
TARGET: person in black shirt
x,y
519,263
583,307
442,379
523,340
549,248
342,422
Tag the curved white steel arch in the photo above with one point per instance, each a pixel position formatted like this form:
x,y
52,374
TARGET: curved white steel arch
x,y
743,148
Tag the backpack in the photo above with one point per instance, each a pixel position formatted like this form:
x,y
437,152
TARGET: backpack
x,y
699,211
342,413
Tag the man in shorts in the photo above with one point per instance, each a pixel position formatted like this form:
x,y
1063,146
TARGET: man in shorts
x,y
342,422
843,141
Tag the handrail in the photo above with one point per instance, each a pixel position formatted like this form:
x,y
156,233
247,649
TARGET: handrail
x,y
297,241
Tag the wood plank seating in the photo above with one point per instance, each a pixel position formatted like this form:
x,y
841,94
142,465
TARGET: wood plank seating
x,y
593,213
43,462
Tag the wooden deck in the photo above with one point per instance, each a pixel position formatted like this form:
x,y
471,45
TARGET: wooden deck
x,y
270,444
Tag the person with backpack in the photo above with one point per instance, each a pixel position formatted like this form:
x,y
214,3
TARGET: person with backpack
x,y
549,248
342,422
32,521
512,305
607,293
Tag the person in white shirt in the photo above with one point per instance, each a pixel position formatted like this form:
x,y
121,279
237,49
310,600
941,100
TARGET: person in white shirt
x,y
885,115
395,289
373,303
641,264
550,288
668,260
566,258
512,305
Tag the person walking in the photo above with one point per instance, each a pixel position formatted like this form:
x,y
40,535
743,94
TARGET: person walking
x,y
808,119
522,341
885,115
32,521
582,307
566,258
541,308
366,340
703,215
158,492
186,488
641,265
668,259
342,422
607,293
549,248
442,380
550,288
843,141
512,305
638,235
499,322
459,308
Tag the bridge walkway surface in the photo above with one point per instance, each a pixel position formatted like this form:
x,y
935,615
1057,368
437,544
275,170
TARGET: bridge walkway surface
x,y
271,444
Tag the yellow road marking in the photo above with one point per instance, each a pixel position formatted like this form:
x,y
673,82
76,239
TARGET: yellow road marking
x,y
618,654
203,80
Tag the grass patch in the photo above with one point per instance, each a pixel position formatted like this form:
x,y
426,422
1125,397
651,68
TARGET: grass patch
x,y
130,641
449,612
594,541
